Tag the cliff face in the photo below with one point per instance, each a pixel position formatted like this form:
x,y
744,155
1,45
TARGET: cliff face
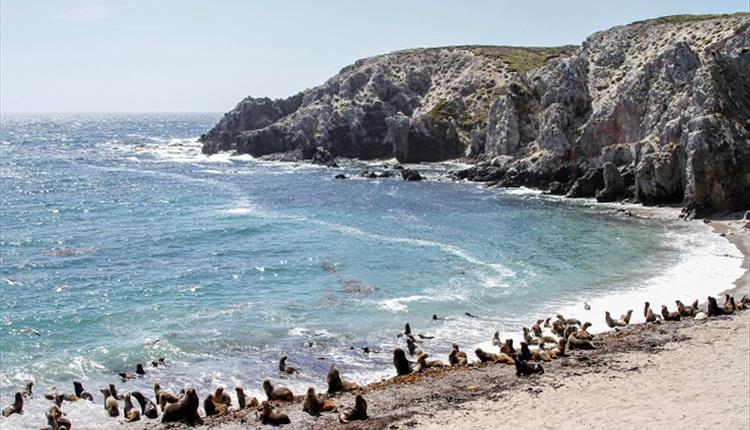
x,y
657,111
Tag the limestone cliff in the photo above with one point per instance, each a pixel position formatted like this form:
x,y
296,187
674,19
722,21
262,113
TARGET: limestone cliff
x,y
657,111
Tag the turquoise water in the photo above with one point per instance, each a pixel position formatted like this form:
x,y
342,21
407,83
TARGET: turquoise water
x,y
122,243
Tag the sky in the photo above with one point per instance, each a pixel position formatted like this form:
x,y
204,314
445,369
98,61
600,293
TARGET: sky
x,y
205,56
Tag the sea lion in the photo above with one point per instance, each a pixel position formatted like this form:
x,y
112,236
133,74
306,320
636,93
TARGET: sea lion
x,y
139,369
268,416
650,316
313,405
148,408
612,323
546,322
625,318
536,329
424,336
284,368
583,333
558,350
403,366
569,329
131,413
127,376
113,392
669,316
16,407
423,363
486,357
437,318
220,397
81,393
568,321
575,343
358,412
164,397
242,400
336,384
527,337
586,306
186,409
713,308
281,393
412,347
110,403
26,393
524,368
212,407
558,327
456,357
729,305
507,347
742,304
496,339
646,307
685,311
53,415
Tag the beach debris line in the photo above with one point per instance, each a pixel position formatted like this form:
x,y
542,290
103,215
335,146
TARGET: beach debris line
x,y
547,339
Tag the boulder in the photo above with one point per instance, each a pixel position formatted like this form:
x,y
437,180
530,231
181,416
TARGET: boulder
x,y
588,184
410,175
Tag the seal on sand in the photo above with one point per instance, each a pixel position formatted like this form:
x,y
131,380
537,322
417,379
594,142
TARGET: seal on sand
x,y
268,416
148,408
358,412
186,409
16,407
403,366
336,384
280,393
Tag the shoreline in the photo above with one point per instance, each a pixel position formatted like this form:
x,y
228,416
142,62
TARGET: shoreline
x,y
639,371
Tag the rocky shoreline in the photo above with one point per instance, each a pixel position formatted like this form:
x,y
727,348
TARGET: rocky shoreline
x,y
653,112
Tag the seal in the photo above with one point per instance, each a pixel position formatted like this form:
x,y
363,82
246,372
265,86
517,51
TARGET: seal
x,y
284,368
583,333
530,340
242,400
713,308
186,409
110,403
313,405
558,328
412,347
423,363
16,407
268,416
456,357
649,313
612,323
26,393
113,392
402,365
558,350
336,384
669,316
625,318
575,343
54,416
131,413
524,368
496,339
685,311
139,369
281,393
646,307
164,397
81,393
220,397
729,305
212,407
358,412
486,357
148,408
568,321
507,348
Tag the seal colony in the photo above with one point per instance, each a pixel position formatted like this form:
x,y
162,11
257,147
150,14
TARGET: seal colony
x,y
570,335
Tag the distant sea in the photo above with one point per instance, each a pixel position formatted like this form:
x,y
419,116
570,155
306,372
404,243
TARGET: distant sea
x,y
121,243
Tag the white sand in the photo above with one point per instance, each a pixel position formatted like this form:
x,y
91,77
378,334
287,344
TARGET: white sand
x,y
703,382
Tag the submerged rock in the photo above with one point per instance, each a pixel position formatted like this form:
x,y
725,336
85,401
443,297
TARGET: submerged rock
x,y
410,175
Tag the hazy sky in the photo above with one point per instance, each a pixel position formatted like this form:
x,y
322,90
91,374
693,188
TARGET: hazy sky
x,y
183,55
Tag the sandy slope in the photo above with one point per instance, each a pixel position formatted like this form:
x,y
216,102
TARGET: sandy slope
x,y
704,381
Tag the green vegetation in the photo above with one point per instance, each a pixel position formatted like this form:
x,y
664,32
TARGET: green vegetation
x,y
520,59
678,19
466,119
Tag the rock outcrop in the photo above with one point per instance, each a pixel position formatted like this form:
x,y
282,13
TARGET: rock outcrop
x,y
656,111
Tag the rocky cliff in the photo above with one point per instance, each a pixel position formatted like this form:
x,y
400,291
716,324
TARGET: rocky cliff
x,y
656,111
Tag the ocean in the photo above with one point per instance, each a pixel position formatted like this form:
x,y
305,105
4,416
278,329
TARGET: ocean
x,y
122,243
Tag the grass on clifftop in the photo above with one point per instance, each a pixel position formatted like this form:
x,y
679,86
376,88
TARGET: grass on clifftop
x,y
678,19
521,59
